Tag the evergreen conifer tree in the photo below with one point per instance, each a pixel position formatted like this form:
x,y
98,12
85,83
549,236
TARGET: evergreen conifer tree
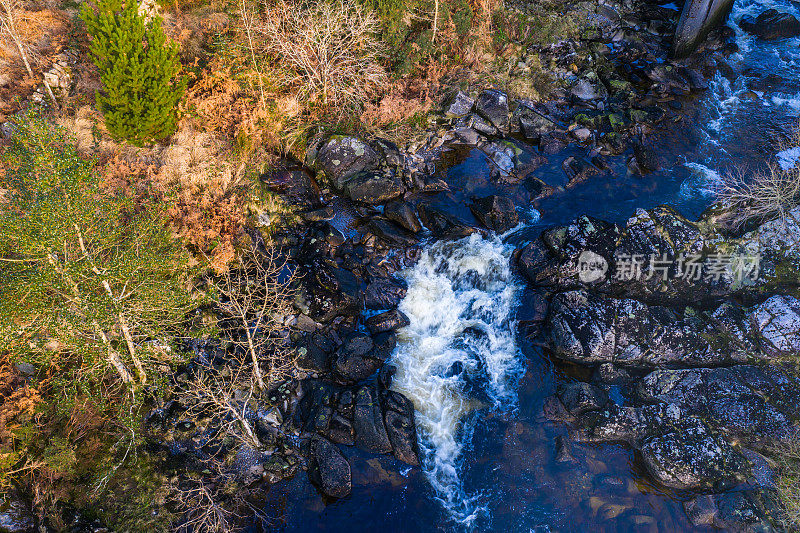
x,y
139,71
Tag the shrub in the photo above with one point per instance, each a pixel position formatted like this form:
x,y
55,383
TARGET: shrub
x,y
139,71
87,276
93,288
770,194
330,51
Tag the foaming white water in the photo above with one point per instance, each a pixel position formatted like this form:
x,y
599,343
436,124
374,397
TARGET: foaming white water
x,y
459,353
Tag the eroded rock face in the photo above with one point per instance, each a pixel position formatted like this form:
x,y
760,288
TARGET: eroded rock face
x,y
678,450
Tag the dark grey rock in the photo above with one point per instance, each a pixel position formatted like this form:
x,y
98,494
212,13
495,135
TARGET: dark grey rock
x,y
771,25
388,321
400,426
497,213
492,105
579,397
373,187
458,104
698,19
329,470
341,157
354,361
368,422
384,293
404,214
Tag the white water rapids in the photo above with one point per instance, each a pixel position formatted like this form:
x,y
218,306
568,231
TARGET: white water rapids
x,y
459,353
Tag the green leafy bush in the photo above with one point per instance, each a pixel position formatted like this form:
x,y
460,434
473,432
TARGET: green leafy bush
x,y
139,71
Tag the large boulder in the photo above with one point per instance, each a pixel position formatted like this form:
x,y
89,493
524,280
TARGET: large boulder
x,y
370,187
771,25
679,451
368,422
329,470
698,19
341,157
758,404
400,426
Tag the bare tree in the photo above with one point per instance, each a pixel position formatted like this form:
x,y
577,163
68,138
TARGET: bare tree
x,y
202,502
10,13
255,300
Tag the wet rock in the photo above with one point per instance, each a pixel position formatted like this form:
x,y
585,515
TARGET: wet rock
x,y
740,511
578,397
368,422
384,293
329,470
353,361
647,159
758,404
391,233
688,456
458,104
341,157
400,427
404,214
771,25
698,19
587,328
388,321
578,170
296,185
532,124
316,352
679,451
340,430
373,187
493,106
564,450
497,213
443,225
248,465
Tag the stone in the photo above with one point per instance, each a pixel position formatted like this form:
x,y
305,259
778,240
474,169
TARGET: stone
x,y
373,188
771,25
579,397
384,293
392,233
387,321
341,157
458,104
492,105
403,213
329,469
294,183
400,427
698,19
368,422
498,213
778,323
353,361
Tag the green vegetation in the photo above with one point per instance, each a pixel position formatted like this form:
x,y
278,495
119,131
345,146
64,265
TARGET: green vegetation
x,y
139,71
93,289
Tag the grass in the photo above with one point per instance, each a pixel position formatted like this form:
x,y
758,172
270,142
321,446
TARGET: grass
x,y
787,458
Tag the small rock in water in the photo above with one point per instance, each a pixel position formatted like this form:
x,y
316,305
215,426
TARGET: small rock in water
x,y
771,25
329,469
